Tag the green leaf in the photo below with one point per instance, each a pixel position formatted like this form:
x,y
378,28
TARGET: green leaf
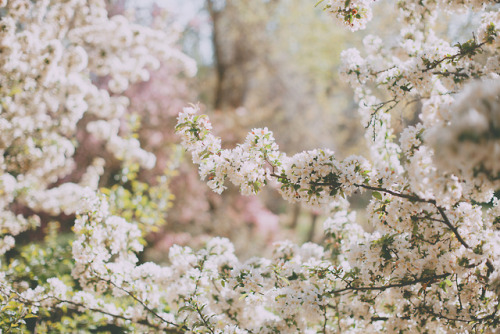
x,y
280,296
377,195
29,316
180,126
185,308
448,282
317,3
15,90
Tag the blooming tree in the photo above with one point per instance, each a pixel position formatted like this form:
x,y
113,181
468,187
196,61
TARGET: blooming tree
x,y
64,67
431,263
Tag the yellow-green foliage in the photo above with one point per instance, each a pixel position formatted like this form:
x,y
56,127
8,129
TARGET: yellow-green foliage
x,y
34,263
139,202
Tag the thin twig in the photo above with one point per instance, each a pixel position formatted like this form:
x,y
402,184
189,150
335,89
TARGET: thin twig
x,y
430,279
138,300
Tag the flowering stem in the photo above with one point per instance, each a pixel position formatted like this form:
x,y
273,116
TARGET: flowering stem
x,y
394,193
450,226
429,279
464,51
139,301
414,198
92,309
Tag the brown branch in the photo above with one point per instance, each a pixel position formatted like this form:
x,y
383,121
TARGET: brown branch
x,y
415,198
382,71
203,319
142,322
377,109
440,315
450,226
458,55
428,218
137,300
428,279
492,315
25,301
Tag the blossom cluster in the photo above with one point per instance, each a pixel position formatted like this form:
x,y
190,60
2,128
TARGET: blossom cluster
x,y
63,68
470,143
420,67
53,54
433,248
257,295
245,165
354,14
315,177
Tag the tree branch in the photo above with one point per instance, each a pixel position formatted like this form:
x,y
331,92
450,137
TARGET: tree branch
x,y
138,300
427,279
415,198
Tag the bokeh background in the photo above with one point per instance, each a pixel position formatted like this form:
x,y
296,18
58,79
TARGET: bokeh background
x,y
261,63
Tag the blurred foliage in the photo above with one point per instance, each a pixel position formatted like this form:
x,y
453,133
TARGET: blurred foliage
x,y
13,315
33,264
139,202
275,64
